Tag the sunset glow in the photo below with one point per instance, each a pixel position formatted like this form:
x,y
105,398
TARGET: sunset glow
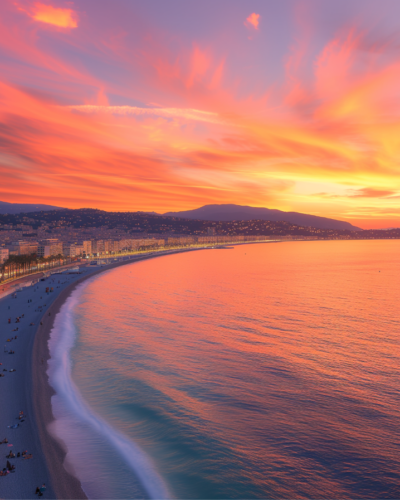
x,y
64,18
149,106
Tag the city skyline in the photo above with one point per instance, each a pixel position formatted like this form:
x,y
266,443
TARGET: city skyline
x,y
168,107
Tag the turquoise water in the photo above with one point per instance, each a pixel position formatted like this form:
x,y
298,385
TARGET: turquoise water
x,y
266,371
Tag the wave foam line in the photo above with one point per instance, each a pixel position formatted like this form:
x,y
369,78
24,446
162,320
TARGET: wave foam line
x,y
62,338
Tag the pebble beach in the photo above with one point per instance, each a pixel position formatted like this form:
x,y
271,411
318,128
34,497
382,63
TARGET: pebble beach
x,y
26,319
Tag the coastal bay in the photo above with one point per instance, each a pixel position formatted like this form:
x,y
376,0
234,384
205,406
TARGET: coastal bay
x,y
31,312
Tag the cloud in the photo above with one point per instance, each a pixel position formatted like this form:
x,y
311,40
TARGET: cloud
x,y
328,119
189,114
361,193
63,18
252,21
370,193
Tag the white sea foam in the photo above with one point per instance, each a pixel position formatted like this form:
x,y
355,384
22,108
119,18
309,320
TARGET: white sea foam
x,y
76,421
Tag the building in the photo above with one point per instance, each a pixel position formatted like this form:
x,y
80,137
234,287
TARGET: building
x,y
50,247
43,251
211,231
4,254
22,247
69,250
185,240
126,244
78,249
87,247
98,247
72,249
50,241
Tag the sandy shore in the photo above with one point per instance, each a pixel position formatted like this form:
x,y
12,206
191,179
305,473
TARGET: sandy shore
x,y
27,388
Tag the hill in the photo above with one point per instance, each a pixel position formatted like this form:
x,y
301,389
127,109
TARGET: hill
x,y
246,213
141,224
17,208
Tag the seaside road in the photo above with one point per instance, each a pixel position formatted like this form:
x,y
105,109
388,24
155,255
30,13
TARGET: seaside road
x,y
16,387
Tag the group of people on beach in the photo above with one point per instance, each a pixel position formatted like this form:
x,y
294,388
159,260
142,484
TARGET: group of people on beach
x,y
39,491
11,454
8,351
14,455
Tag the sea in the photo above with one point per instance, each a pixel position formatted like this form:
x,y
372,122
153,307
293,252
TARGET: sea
x,y
268,371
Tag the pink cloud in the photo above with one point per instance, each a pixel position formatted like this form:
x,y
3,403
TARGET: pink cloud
x,y
252,21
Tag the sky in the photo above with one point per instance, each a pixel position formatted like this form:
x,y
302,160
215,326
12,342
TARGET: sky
x,y
168,105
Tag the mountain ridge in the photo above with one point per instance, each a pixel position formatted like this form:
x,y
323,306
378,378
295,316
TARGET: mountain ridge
x,y
17,208
213,213
232,212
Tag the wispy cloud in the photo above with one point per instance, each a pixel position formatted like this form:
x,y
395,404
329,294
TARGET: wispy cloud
x,y
371,193
187,114
249,123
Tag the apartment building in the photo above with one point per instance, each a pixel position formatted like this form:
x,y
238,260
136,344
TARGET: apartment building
x,y
4,254
22,247
181,240
87,247
43,251
69,250
50,246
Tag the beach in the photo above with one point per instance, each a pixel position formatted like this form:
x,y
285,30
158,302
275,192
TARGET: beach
x,y
27,389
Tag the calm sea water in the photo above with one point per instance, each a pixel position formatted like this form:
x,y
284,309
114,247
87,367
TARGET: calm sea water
x,y
264,371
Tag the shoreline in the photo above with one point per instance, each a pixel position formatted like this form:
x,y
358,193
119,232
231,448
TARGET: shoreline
x,y
28,389
64,484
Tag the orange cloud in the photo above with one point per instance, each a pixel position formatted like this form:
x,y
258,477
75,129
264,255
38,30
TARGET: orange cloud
x,y
253,21
63,18
330,124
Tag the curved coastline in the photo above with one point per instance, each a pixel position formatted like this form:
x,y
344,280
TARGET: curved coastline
x,y
64,484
